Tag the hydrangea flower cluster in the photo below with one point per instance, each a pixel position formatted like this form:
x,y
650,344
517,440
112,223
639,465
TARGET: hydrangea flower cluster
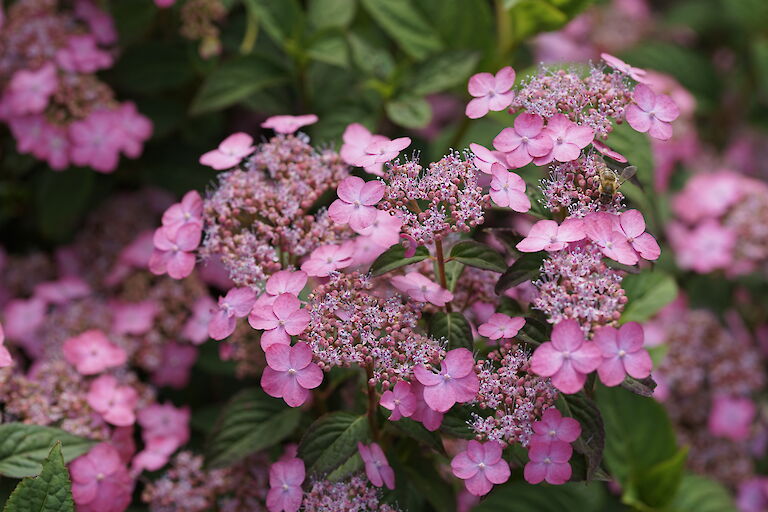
x,y
54,104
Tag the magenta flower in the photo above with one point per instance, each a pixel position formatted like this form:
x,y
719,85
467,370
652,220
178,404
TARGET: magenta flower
x,y
508,189
115,403
623,353
456,381
567,359
652,113
289,124
490,92
632,225
173,251
96,140
286,281
283,319
423,413
568,139
548,462
91,353
481,466
5,355
175,366
236,304
329,258
28,91
230,152
82,55
607,151
133,317
291,373
616,63
376,466
400,400
553,427
100,481
196,328
731,417
548,236
604,231
134,128
189,210
526,141
62,290
422,289
381,151
285,479
356,204
164,420
356,138
501,326
707,247
485,158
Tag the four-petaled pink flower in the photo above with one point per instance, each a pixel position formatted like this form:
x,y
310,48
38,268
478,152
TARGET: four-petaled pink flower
x,y
377,467
283,319
603,230
115,403
356,138
188,211
456,381
508,189
481,466
548,236
490,92
356,204
5,355
230,152
568,139
173,251
100,481
731,417
632,224
236,304
652,113
329,258
485,158
286,281
289,124
567,359
285,479
525,141
400,400
381,151
291,373
548,462
423,413
501,326
422,289
133,317
28,91
91,353
616,63
623,353
553,427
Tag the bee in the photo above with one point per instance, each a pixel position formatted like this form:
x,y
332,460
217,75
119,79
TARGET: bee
x,y
610,180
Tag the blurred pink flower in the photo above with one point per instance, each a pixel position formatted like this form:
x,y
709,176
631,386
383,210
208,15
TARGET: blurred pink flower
x,y
100,481
175,366
707,247
652,113
329,258
285,479
356,204
567,359
236,304
604,231
5,355
81,54
291,373
356,138
623,353
421,289
731,417
456,381
62,290
490,92
400,400
481,466
230,152
525,141
91,352
196,328
289,124
133,317
501,326
115,403
548,236
377,468
382,151
283,319
548,462
28,91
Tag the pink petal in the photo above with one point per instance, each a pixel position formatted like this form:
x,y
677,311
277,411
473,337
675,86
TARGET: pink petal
x,y
580,135
606,339
571,230
647,247
565,152
478,485
559,474
505,79
587,358
665,109
350,188
439,398
276,336
221,325
481,84
239,144
362,217
499,102
567,336
631,337
632,223
297,322
660,130
426,377
644,97
279,357
477,108
263,318
546,360
300,356
568,379
638,119
541,145
218,160
293,394
285,305
372,192
529,125
310,377
638,364
459,362
498,473
611,371
535,472
507,140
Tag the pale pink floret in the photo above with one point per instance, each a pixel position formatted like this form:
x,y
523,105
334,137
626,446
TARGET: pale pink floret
x,y
133,317
100,481
286,281
400,400
548,462
283,319
28,91
289,124
385,230
329,258
422,289
707,247
568,139
632,224
753,495
616,63
62,290
230,152
356,204
525,141
553,427
567,359
285,479
623,353
501,326
5,355
97,140
607,151
546,235
377,467
423,413
115,403
291,373
134,128
731,417
83,55
485,158
173,251
188,211
382,151
164,429
196,328
175,366
604,231
652,113
91,352
508,189
481,466
490,92
356,138
456,382
236,304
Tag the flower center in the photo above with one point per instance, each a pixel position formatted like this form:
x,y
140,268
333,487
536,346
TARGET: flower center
x,y
100,476
552,433
622,353
547,461
481,465
291,371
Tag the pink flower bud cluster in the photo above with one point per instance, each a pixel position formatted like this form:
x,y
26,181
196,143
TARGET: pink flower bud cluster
x,y
350,495
55,106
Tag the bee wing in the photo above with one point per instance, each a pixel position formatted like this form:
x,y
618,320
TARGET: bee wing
x,y
627,173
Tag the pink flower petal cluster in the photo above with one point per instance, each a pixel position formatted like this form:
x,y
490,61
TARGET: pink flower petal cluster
x,y
652,113
279,321
377,238
423,413
380,151
237,303
83,55
508,189
285,479
567,358
230,152
501,326
456,382
133,317
100,481
526,140
188,211
623,353
732,417
175,366
356,139
568,139
485,158
400,400
165,428
115,403
286,281
553,427
490,92
356,204
632,225
196,328
290,373
377,467
481,466
548,236
62,290
329,258
288,124
173,253
91,352
708,246
28,91
422,289
548,462
603,230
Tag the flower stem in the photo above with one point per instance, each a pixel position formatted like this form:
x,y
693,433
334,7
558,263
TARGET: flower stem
x,y
372,402
441,269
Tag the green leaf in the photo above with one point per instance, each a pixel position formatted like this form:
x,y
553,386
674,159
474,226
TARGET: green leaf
x,y
250,421
591,442
324,14
452,327
417,431
331,49
658,485
152,67
455,423
453,270
421,473
525,268
699,494
331,440
24,447
394,258
647,293
458,30
409,112
530,17
523,497
234,81
442,72
51,491
62,200
535,332
405,24
475,254
369,57
282,20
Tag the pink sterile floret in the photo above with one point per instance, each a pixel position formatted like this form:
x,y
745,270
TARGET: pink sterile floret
x,y
632,225
485,158
283,319
607,151
175,365
329,258
173,251
548,236
456,381
83,55
652,113
62,290
501,326
286,281
133,317
490,92
623,353
188,211
385,230
291,373
356,204
567,359
616,63
508,189
289,124
568,139
400,400
604,231
115,403
285,479
356,138
377,467
422,289
230,152
28,91
91,352
553,427
196,328
236,304
423,413
164,429
731,417
548,462
100,481
525,141
381,151
481,466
